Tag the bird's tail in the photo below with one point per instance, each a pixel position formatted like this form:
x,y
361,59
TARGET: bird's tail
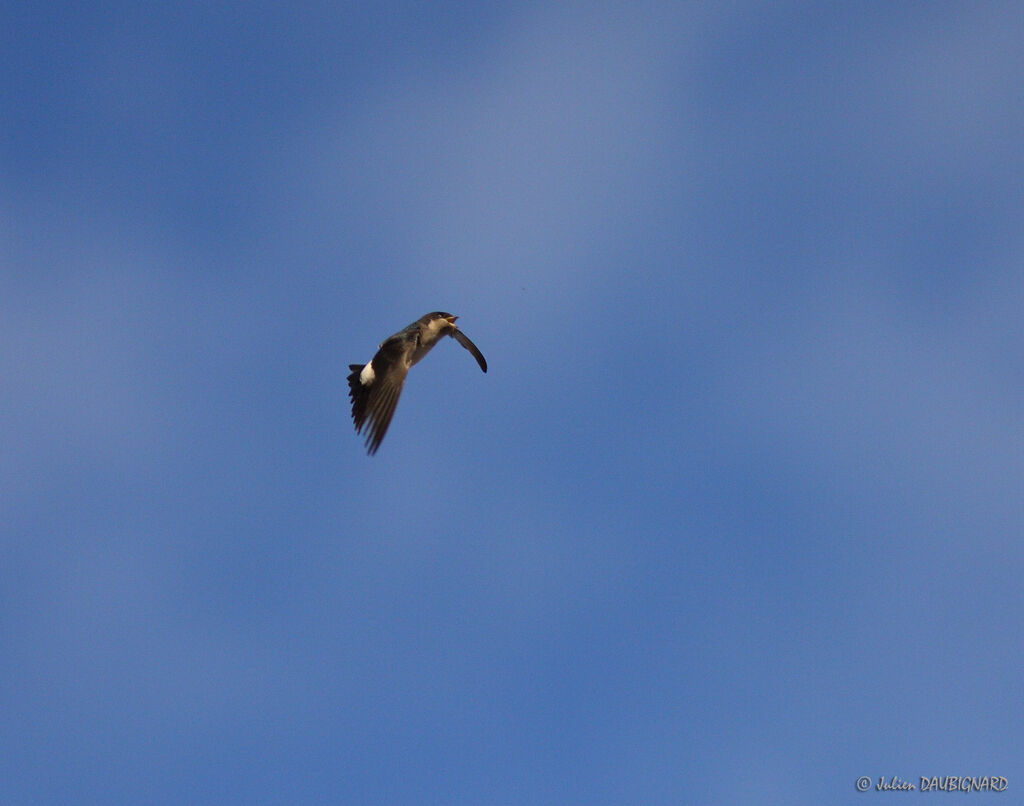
x,y
358,393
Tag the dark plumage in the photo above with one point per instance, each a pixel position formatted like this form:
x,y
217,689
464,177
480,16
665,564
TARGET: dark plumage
x,y
375,387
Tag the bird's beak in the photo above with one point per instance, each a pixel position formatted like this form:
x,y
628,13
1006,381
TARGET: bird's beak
x,y
451,320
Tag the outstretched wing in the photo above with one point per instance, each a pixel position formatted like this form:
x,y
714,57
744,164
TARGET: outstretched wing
x,y
463,339
375,393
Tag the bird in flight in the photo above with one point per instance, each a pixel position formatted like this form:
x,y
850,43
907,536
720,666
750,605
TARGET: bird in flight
x,y
374,387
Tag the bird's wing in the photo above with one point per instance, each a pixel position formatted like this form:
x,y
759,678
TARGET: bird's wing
x,y
463,339
373,404
380,404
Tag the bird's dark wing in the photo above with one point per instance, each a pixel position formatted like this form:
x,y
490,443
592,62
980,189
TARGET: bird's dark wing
x,y
463,339
373,404
380,406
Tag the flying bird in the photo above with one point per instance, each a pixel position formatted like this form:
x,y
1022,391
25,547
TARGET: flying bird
x,y
375,387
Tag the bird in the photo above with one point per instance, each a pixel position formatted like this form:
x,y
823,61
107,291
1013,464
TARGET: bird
x,y
375,386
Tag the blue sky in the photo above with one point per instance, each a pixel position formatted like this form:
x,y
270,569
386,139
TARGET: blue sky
x,y
735,515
